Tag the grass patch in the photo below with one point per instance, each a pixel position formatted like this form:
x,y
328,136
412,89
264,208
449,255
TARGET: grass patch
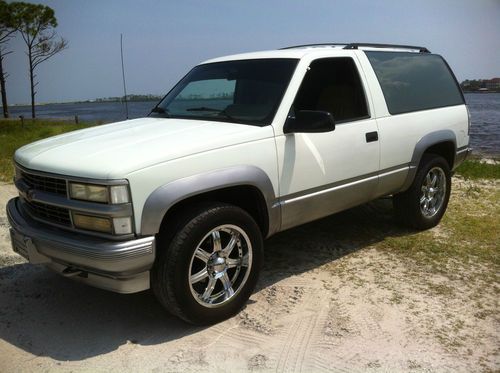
x,y
474,169
464,245
13,136
467,236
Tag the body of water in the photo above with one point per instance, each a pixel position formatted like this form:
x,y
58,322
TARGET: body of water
x,y
485,116
484,109
87,111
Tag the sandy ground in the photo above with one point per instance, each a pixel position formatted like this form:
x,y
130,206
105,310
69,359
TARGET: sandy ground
x,y
326,301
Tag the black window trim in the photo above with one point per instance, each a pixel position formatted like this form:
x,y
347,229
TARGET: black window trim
x,y
340,122
454,78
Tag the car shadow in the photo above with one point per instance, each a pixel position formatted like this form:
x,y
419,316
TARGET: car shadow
x,y
311,245
47,315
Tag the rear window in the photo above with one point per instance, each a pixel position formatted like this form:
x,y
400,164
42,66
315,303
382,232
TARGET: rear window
x,y
413,82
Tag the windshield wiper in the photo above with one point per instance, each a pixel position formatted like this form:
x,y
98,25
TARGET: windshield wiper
x,y
160,110
202,108
220,112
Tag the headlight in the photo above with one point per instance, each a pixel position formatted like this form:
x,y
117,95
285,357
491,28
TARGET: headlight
x,y
89,192
122,225
119,194
102,224
92,223
108,195
115,194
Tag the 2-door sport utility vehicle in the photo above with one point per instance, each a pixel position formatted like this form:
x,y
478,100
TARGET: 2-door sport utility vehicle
x,y
241,148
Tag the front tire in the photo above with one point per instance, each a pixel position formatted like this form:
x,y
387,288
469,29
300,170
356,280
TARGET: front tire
x,y
208,270
423,205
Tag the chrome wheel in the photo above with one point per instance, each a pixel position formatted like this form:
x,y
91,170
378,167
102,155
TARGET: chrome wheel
x,y
433,192
220,265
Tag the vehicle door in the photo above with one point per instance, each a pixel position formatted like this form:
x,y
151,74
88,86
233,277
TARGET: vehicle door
x,y
323,173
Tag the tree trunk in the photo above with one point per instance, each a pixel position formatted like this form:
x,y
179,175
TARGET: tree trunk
x,y
32,85
2,89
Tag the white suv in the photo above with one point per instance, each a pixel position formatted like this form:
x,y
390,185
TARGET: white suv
x,y
241,148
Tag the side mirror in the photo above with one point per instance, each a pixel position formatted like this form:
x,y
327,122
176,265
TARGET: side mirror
x,y
309,121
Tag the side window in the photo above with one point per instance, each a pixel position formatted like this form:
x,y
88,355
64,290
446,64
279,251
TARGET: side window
x,y
333,85
414,81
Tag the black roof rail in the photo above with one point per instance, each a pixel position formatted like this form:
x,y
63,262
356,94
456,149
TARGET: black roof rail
x,y
315,45
371,45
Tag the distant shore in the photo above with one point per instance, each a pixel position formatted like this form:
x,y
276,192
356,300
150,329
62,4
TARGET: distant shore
x,y
136,98
131,98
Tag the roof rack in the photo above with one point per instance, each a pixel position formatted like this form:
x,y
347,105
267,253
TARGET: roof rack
x,y
357,45
396,46
316,45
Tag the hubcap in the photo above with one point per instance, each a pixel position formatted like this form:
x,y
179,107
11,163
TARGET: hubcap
x,y
216,264
220,265
433,192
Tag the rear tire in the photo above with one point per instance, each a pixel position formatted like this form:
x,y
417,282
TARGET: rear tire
x,y
423,205
208,270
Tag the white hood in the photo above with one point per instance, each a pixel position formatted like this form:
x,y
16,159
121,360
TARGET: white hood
x,y
114,150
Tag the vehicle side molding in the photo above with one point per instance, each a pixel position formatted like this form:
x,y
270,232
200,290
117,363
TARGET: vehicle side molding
x,y
166,196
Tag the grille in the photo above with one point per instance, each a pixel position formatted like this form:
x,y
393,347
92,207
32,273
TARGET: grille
x,y
44,183
49,213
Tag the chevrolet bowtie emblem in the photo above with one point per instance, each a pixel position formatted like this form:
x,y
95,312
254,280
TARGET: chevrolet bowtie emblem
x,y
30,194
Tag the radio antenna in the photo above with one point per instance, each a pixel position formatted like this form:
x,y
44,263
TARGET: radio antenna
x,y
123,76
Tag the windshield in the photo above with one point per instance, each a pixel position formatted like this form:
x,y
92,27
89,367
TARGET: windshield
x,y
246,91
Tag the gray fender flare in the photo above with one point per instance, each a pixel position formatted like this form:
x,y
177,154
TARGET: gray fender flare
x,y
421,146
166,196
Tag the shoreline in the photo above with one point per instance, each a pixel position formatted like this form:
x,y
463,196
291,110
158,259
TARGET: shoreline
x,y
15,106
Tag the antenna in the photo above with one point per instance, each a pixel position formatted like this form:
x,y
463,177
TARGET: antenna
x,y
123,76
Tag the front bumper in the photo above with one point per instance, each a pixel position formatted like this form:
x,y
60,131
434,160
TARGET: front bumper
x,y
120,266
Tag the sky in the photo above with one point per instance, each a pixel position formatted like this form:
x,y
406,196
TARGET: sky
x,y
163,40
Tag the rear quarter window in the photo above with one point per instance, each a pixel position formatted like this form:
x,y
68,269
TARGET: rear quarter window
x,y
413,82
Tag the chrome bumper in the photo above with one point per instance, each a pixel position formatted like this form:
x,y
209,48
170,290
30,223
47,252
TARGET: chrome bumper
x,y
120,266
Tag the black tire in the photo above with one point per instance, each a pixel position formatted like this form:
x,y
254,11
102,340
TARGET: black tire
x,y
170,277
407,204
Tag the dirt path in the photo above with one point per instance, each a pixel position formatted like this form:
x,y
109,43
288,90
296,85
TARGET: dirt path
x,y
331,298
